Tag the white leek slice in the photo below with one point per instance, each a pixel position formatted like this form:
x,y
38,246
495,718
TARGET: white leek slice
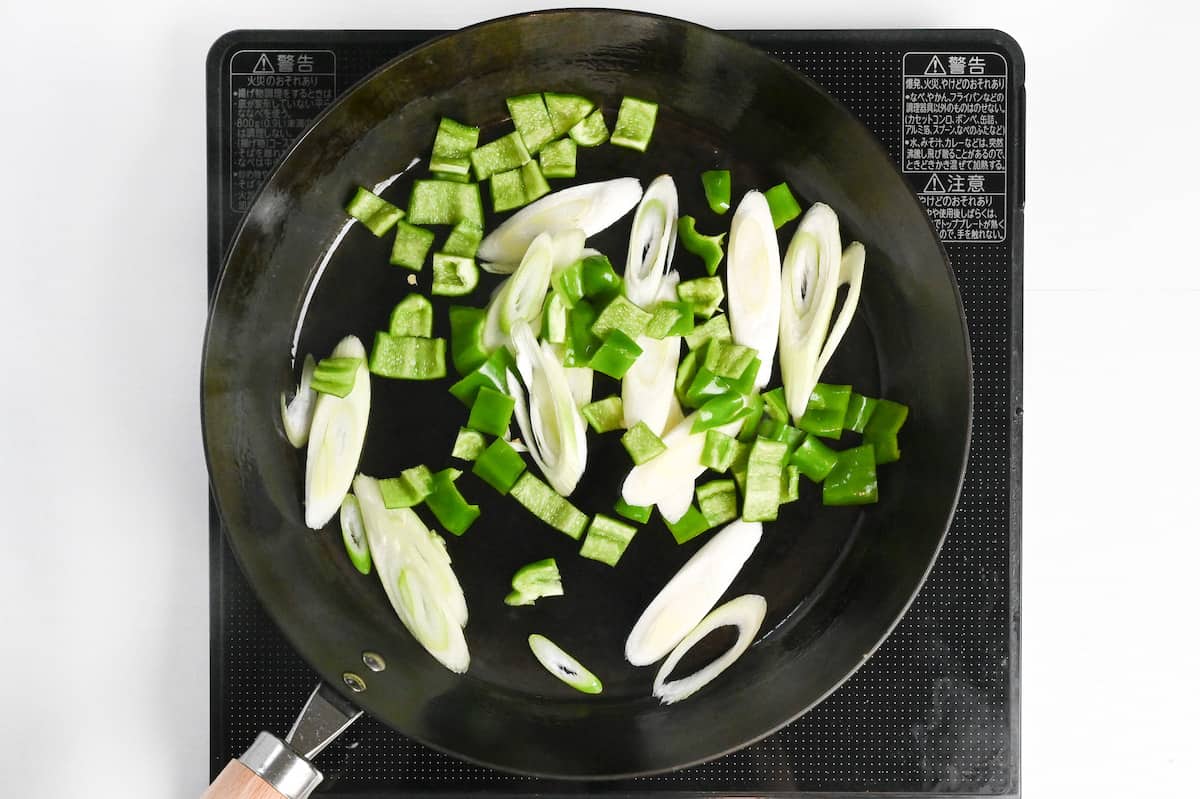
x,y
297,414
354,534
521,296
754,281
415,571
335,441
811,271
648,388
591,207
551,424
746,613
854,259
563,666
668,480
568,247
652,241
579,378
691,593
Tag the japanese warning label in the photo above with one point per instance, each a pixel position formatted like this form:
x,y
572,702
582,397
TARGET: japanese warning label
x,y
954,145
273,95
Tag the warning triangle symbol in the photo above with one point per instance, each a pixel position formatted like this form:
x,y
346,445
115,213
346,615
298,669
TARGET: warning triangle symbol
x,y
263,65
935,67
935,186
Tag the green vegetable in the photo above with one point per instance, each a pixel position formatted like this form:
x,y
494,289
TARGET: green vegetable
x,y
448,505
718,501
451,177
635,124
566,110
813,458
642,444
545,503
719,450
502,155
508,190
686,373
534,182
615,355
790,491
408,357
412,316
720,410
622,315
568,283
452,147
706,384
531,119
554,319
741,463
411,245
335,376
563,666
534,581
492,372
784,207
591,131
491,412
557,159
635,513
852,479
581,343
764,475
670,319
605,415
598,279
858,412
464,239
607,539
499,466
882,429
776,405
442,202
749,429
453,275
826,411
373,211
728,360
468,444
715,328
704,293
354,535
709,248
466,337
717,189
690,525
407,490
780,431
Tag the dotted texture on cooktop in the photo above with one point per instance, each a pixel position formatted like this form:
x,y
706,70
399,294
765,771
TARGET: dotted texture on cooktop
x,y
930,712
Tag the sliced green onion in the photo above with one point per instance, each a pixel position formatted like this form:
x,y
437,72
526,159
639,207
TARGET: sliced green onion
x,y
491,412
466,338
443,202
622,315
882,429
519,298
652,242
719,450
408,357
754,281
335,376
826,411
670,319
591,131
412,316
784,207
545,503
718,501
691,524
746,612
709,248
354,536
557,159
764,473
499,466
531,119
335,440
410,246
468,444
452,511
407,490
376,213
563,666
704,293
813,458
464,239
297,414
858,412
452,147
635,513
852,480
554,319
715,328
453,275
607,538
642,444
502,155
533,581
717,183
635,124
605,415
566,110
616,355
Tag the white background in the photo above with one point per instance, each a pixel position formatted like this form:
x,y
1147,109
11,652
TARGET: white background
x,y
103,569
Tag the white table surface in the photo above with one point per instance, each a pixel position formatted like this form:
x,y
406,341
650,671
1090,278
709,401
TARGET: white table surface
x,y
103,569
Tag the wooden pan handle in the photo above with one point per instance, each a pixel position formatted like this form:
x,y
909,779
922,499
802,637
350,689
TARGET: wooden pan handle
x,y
238,782
268,770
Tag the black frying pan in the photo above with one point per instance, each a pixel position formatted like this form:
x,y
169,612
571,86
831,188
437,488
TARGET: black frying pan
x,y
836,579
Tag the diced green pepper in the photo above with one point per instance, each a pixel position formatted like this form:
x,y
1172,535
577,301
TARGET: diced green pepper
x,y
813,458
534,581
557,159
719,450
616,355
598,279
776,405
740,463
453,275
622,315
635,513
443,202
728,360
635,124
450,176
452,511
717,184
704,293
721,410
783,205
764,473
852,480
491,411
407,490
412,316
605,415
373,211
706,384
508,190
499,466
686,373
607,539
492,372
690,525
858,411
715,328
882,429
568,283
468,444
335,376
408,357
709,248
581,344
825,414
544,502
531,119
566,110
642,444
790,491
466,337
534,182
504,154
464,239
780,431
591,131
452,147
718,501
410,246
670,319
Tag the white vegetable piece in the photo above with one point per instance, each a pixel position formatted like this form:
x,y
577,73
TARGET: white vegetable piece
x,y
521,296
669,479
335,441
812,272
298,414
854,260
691,593
648,388
568,247
551,424
591,207
746,613
415,570
652,241
754,281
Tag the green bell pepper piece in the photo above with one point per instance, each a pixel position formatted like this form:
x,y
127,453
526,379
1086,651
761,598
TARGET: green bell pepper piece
x,y
690,525
412,316
717,189
466,337
452,511
715,328
852,480
545,503
826,411
635,124
464,239
882,429
491,411
704,293
468,444
406,357
557,159
607,539
764,475
858,411
670,319
635,513
642,444
452,148
780,431
599,280
719,450
718,501
407,490
623,315
605,415
410,246
721,410
709,248
616,355
376,213
499,466
776,405
782,203
492,372
533,581
813,458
